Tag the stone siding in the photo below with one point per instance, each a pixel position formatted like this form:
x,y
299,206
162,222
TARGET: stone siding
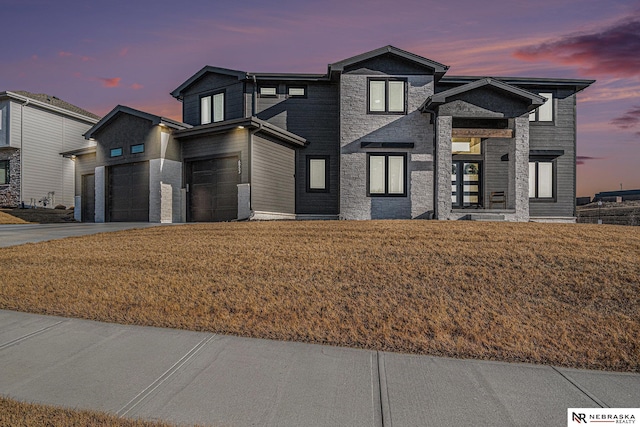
x,y
10,193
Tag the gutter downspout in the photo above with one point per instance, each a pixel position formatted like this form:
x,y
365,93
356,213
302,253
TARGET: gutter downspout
x,y
22,151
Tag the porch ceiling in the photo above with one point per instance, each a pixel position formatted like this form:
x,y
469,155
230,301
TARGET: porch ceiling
x,y
481,133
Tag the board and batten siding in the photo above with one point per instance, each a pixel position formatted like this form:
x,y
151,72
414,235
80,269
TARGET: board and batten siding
x,y
84,165
211,83
560,135
4,123
272,177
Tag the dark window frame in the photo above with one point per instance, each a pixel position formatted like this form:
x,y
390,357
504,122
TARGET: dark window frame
x,y
303,87
326,173
551,122
111,155
211,95
136,145
554,179
7,174
261,95
386,174
386,95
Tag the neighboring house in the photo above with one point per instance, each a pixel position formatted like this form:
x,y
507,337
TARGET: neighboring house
x,y
613,196
34,130
384,134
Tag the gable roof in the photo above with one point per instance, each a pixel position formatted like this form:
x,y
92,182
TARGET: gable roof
x,y
576,84
177,93
439,98
52,103
122,109
438,68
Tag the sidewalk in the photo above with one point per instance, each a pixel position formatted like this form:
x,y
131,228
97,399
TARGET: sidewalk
x,y
193,377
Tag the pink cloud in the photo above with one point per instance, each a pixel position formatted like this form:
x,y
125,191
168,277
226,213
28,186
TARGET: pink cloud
x,y
64,54
110,82
87,59
628,120
610,51
581,160
136,86
124,51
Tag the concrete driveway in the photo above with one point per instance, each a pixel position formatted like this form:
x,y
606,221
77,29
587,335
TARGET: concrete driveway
x,y
18,234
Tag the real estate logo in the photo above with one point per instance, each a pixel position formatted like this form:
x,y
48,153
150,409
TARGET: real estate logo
x,y
582,416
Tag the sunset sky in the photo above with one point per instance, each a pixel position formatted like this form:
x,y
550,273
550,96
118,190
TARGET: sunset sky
x,y
100,54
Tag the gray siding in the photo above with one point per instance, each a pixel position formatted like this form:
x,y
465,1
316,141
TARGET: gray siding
x,y
559,135
15,130
233,99
84,165
496,170
272,176
235,142
4,123
317,119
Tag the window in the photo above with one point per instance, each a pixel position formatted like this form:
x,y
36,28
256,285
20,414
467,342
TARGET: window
x,y
212,108
138,148
317,174
387,96
386,174
116,152
543,113
4,172
465,145
297,91
268,92
541,179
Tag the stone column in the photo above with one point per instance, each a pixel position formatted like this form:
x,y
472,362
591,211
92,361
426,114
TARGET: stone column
x,y
443,167
519,168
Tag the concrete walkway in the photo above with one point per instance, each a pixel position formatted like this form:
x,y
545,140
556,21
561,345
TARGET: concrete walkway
x,y
210,379
18,234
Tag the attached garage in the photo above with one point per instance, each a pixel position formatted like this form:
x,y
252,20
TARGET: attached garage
x,y
213,189
128,192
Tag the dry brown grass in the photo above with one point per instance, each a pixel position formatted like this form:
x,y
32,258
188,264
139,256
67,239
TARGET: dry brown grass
x,y
6,218
18,414
38,215
555,294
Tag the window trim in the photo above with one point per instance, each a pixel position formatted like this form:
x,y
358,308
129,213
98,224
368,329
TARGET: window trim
x,y
386,81
7,173
212,112
111,155
303,87
554,179
326,174
536,112
386,175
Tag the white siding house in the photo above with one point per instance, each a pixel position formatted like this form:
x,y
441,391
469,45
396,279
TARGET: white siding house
x,y
34,130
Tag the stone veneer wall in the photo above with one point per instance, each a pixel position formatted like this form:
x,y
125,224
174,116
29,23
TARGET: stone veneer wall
x,y
356,126
10,193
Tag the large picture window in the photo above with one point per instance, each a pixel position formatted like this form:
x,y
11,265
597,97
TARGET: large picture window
x,y
541,179
387,96
317,174
4,172
386,174
212,108
543,113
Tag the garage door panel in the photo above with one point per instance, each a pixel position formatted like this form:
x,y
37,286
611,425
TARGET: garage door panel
x,y
213,194
128,198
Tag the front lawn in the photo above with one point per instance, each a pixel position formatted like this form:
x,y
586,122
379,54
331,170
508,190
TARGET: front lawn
x,y
565,295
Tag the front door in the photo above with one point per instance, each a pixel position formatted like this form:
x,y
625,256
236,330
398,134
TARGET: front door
x,y
466,184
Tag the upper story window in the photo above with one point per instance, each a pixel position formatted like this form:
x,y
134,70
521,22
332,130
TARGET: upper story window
x,y
116,152
268,91
297,91
137,149
387,96
4,172
543,113
212,108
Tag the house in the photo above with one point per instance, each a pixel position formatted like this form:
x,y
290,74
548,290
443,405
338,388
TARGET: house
x,y
384,134
34,129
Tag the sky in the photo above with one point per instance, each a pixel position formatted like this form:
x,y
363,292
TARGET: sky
x,y
98,54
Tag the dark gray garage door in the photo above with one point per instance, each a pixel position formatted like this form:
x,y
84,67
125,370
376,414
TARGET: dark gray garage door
x,y
128,197
88,200
213,189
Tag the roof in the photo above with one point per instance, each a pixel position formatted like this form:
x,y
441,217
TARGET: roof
x,y
247,122
52,103
79,151
122,109
177,93
441,97
578,84
438,68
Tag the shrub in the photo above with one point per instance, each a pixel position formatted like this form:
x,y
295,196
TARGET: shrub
x,y
63,207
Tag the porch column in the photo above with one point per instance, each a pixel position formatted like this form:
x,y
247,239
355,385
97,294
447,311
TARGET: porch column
x,y
443,167
519,168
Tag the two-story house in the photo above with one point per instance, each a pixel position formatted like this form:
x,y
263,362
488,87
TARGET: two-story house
x,y
34,129
385,134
